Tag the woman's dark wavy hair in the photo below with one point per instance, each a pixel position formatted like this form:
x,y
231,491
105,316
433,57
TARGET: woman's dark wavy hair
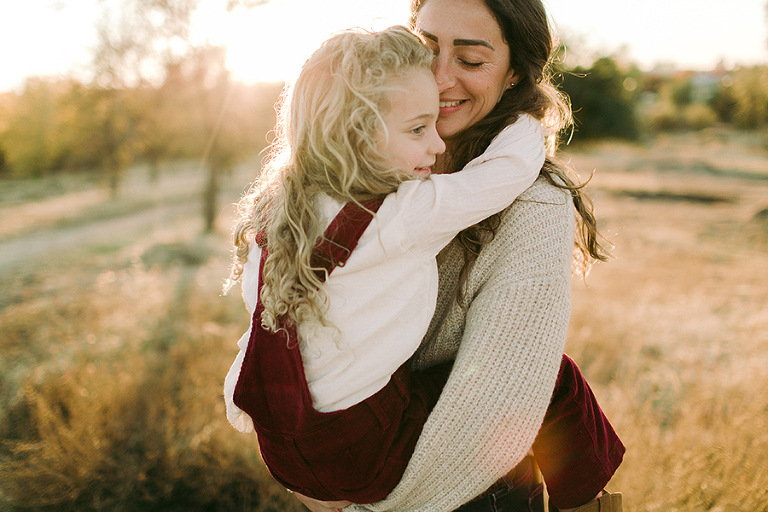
x,y
526,31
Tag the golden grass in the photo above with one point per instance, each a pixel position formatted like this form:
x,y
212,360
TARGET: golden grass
x,y
673,332
111,368
117,402
112,358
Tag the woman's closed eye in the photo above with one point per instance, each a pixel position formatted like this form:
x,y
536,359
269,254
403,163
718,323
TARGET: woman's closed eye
x,y
470,64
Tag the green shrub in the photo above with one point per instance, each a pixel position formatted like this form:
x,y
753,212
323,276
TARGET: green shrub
x,y
742,98
698,116
602,106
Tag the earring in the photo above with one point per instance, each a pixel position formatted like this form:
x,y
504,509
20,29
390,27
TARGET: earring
x,y
511,85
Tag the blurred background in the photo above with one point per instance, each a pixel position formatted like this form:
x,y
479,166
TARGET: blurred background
x,y
128,128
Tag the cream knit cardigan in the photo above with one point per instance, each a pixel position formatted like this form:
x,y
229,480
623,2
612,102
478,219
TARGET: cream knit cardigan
x,y
507,339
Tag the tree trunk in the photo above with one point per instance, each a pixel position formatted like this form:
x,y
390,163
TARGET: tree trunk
x,y
210,198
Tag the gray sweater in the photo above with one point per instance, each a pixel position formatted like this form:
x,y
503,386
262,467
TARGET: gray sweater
x,y
507,338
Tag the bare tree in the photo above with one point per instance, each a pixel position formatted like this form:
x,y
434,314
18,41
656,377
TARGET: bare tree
x,y
135,39
138,44
224,115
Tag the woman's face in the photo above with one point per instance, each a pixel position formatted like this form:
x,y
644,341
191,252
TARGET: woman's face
x,y
471,66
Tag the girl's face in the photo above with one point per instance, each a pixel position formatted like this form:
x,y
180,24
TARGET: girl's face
x,y
471,65
412,142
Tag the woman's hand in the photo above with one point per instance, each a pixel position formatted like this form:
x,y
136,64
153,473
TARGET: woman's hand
x,y
321,506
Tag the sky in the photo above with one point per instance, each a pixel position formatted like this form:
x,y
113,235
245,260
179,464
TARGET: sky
x,y
270,42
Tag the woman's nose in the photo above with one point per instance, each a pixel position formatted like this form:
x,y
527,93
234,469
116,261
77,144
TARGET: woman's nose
x,y
443,76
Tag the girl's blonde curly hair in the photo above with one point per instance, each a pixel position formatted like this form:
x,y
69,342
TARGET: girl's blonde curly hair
x,y
327,136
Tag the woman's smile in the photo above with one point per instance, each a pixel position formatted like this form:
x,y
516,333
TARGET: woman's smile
x,y
450,107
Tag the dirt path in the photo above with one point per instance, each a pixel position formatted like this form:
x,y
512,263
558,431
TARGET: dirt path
x,y
116,232
89,219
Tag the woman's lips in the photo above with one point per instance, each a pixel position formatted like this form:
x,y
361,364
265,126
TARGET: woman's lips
x,y
448,107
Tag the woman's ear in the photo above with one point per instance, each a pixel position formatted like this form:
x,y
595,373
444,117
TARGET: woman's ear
x,y
511,79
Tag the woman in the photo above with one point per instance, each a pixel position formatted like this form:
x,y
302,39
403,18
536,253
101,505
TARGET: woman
x,y
504,299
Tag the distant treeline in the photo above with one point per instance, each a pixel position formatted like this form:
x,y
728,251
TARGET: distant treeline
x,y
612,100
199,112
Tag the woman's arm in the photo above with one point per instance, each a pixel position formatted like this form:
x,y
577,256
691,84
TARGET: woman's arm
x,y
510,341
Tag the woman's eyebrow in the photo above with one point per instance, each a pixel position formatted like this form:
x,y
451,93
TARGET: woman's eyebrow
x,y
473,42
461,42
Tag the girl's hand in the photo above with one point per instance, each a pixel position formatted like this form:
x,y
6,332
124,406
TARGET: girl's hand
x,y
321,506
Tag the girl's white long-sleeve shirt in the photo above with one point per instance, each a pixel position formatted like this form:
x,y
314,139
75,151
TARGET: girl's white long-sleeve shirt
x,y
381,302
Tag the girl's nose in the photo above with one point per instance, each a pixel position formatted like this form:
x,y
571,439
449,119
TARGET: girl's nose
x,y
437,146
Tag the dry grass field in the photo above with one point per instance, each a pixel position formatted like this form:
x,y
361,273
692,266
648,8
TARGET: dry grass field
x,y
673,332
114,338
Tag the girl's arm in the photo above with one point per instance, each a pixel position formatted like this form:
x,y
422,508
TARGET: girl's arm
x,y
321,506
425,215
510,340
250,282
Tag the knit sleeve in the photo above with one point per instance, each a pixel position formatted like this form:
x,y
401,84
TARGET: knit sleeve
x,y
510,335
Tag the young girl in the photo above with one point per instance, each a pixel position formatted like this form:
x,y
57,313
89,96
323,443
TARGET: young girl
x,y
336,249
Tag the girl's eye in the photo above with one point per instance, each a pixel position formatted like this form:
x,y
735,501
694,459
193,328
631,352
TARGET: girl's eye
x,y
418,130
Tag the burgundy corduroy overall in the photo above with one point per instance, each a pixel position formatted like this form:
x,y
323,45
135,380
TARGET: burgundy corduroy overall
x,y
360,453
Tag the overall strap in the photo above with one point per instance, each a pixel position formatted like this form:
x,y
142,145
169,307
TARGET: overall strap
x,y
309,451
340,239
272,388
